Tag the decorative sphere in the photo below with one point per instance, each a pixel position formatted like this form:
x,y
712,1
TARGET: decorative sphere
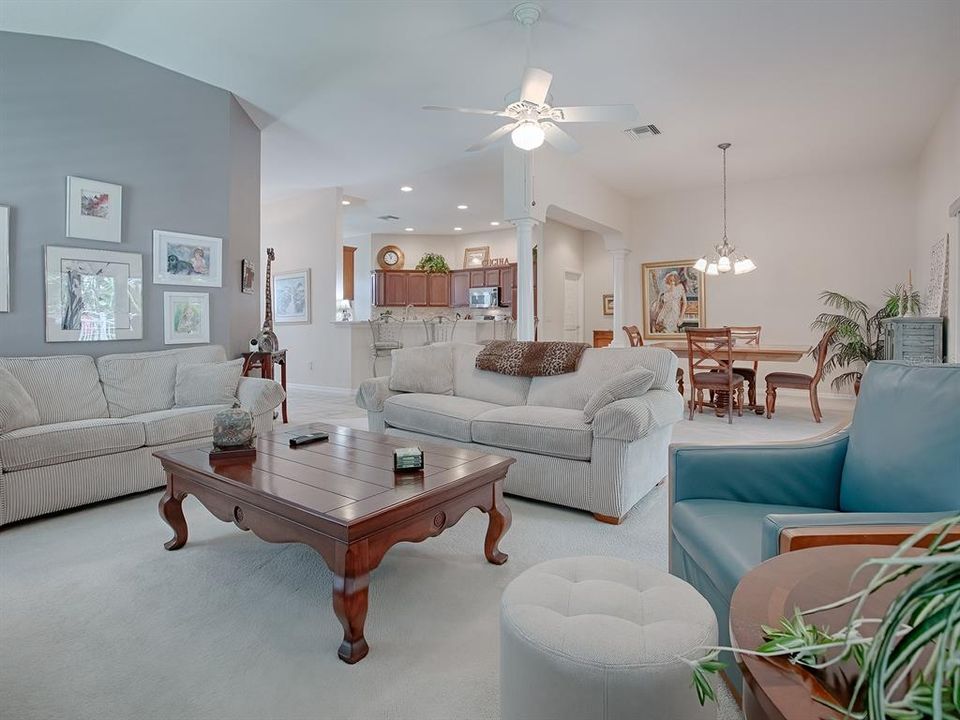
x,y
233,428
528,135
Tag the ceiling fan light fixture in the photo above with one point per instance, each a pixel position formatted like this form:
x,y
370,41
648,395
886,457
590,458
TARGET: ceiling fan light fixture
x,y
528,135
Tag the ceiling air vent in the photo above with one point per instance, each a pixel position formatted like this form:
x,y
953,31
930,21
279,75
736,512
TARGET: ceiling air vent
x,y
641,131
387,217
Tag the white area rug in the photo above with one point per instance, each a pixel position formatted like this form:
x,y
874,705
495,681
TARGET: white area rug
x,y
99,621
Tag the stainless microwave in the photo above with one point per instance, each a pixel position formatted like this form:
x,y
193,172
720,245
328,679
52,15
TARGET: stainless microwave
x,y
485,297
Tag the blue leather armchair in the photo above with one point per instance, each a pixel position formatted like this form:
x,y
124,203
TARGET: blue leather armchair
x,y
898,463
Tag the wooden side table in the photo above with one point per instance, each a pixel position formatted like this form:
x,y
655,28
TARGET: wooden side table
x,y
264,362
776,689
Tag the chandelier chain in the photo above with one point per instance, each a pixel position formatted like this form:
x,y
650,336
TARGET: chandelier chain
x,y
724,150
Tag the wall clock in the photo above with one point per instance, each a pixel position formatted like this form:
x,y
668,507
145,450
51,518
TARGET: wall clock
x,y
390,257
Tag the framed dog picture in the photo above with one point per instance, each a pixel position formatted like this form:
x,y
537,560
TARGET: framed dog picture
x,y
182,259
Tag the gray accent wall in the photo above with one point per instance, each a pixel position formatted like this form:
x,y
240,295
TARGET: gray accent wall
x,y
186,154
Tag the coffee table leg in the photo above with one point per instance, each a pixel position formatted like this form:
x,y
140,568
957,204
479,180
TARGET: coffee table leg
x,y
171,511
350,581
499,518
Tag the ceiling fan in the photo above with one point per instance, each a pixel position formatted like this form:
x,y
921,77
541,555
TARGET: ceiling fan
x,y
532,120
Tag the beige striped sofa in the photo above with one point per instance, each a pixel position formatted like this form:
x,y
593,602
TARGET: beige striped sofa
x,y
604,466
100,422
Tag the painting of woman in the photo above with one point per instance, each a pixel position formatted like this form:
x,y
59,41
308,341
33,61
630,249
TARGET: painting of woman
x,y
672,299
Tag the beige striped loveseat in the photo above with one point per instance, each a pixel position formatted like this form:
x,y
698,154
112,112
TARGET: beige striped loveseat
x,y
603,462
101,420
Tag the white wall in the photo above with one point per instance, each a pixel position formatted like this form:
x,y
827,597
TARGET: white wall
x,y
851,233
361,275
938,186
598,274
559,250
305,232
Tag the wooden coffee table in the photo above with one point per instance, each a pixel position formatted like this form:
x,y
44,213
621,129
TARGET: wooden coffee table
x,y
342,498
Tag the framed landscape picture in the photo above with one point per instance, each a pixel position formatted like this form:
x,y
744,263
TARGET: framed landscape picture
x,y
94,210
674,299
608,304
184,259
4,258
475,257
248,276
93,295
291,296
186,318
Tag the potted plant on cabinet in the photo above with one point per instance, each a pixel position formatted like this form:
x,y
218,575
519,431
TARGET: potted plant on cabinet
x,y
433,263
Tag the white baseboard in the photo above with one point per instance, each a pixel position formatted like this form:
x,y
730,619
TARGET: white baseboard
x,y
321,388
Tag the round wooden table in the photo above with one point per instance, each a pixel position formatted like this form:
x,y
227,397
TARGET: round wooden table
x,y
775,689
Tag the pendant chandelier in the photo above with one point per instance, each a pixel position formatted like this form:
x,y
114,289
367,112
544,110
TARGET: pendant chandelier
x,y
726,258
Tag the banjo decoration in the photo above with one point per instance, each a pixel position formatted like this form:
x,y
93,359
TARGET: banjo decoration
x,y
267,338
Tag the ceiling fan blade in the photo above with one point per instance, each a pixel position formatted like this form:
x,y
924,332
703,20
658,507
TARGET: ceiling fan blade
x,y
559,138
472,111
492,137
595,113
535,85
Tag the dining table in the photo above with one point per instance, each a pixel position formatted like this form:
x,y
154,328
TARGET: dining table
x,y
742,352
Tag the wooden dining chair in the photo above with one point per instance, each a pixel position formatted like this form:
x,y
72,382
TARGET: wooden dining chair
x,y
747,335
711,351
636,340
800,381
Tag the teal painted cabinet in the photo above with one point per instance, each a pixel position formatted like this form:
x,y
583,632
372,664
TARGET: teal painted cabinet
x,y
913,339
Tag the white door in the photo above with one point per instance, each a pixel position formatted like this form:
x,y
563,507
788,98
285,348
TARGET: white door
x,y
572,306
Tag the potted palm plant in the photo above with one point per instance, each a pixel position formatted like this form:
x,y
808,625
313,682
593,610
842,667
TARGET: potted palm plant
x,y
858,339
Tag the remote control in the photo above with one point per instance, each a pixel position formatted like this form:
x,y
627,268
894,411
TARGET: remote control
x,y
307,439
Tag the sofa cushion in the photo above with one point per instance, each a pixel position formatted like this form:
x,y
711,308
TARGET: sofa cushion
x,y
725,537
55,443
598,365
141,382
632,383
542,430
425,369
904,448
17,408
207,383
63,387
161,427
441,415
493,387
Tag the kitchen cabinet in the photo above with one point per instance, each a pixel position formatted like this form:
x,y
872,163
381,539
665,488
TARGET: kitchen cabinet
x,y
491,277
394,289
438,290
460,288
416,289
399,288
477,278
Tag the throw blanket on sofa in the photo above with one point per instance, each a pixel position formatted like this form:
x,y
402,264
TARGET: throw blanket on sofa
x,y
530,359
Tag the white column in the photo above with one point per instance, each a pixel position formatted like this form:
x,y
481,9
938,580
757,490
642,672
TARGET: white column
x,y
525,327
619,256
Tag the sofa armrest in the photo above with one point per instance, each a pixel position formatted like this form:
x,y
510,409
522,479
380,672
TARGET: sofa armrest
x,y
373,392
259,395
806,473
633,418
785,532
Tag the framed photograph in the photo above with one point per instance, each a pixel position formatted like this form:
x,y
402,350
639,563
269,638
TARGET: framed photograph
x,y
4,258
674,299
248,276
291,296
186,318
608,304
183,259
93,295
475,257
94,210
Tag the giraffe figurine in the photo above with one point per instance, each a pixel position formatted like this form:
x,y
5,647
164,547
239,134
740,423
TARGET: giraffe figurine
x,y
267,339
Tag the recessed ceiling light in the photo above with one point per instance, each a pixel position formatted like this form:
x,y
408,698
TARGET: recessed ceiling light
x,y
457,229
408,229
344,202
462,207
406,188
494,223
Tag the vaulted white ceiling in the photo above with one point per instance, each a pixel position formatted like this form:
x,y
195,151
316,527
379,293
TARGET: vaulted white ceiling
x,y
797,87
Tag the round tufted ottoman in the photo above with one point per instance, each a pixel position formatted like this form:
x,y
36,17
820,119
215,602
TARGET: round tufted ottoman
x,y
599,637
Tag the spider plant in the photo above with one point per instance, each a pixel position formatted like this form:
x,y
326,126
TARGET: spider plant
x,y
859,339
909,668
